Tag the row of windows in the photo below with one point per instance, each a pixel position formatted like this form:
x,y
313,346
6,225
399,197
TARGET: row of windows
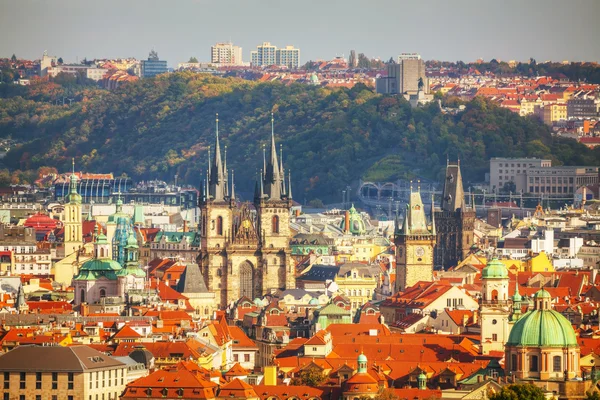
x,y
548,189
554,179
534,363
6,396
513,164
38,380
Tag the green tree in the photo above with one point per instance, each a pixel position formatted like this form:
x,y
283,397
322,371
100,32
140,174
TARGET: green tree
x,y
193,60
519,392
387,394
509,187
13,58
309,377
316,203
592,395
363,61
60,61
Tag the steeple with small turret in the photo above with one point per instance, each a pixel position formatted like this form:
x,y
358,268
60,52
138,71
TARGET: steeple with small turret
x,y
414,244
73,237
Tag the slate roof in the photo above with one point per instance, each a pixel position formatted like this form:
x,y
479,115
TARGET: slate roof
x,y
56,359
191,280
320,273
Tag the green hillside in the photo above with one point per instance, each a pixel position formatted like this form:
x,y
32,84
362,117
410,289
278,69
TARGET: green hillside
x,y
156,128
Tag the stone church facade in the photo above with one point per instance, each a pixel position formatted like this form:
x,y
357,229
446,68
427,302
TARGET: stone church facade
x,y
244,248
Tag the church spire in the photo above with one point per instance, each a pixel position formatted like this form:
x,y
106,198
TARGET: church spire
x,y
433,214
453,195
73,197
272,173
217,181
232,187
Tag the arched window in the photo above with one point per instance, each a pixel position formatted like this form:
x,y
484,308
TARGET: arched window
x,y
275,224
246,280
219,225
101,252
102,293
82,296
494,294
513,362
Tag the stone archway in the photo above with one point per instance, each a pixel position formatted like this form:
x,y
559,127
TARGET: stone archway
x,y
246,280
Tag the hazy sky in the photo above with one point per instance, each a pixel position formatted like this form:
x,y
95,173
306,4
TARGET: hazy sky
x,y
178,29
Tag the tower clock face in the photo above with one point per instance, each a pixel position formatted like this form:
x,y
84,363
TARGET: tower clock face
x,y
419,251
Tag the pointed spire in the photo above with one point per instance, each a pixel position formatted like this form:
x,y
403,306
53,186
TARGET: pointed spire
x,y
73,196
262,189
264,161
433,214
225,173
272,174
289,193
232,186
281,170
217,183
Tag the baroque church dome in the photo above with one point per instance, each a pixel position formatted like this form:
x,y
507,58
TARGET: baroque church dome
x,y
495,269
542,327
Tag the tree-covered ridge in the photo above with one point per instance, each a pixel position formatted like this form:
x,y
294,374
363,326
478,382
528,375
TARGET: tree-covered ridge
x,y
156,128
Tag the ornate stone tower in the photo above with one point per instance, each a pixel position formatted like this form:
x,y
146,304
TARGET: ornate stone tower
x,y
273,204
245,252
455,221
495,307
414,245
73,238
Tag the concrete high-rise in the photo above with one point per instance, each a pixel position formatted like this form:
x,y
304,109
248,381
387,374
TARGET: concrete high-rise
x,y
288,56
407,76
264,55
152,66
226,53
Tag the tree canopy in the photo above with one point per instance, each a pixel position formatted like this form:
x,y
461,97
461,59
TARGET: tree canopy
x,y
158,127
519,392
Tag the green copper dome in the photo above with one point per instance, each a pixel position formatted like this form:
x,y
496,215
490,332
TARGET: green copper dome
x,y
132,241
542,294
355,221
542,327
362,358
494,270
73,197
97,268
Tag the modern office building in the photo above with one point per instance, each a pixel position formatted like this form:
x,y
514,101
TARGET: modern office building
x,y
582,107
534,175
226,53
407,76
264,55
152,66
288,56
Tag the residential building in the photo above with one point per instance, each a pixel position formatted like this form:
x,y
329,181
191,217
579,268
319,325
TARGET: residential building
x,y
181,246
582,107
264,55
46,63
288,56
226,53
358,282
551,113
21,243
57,372
152,66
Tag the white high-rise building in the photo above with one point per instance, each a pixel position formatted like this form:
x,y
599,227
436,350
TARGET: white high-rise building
x,y
226,53
288,56
264,55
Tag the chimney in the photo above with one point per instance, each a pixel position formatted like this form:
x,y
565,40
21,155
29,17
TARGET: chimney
x,y
347,222
185,227
297,212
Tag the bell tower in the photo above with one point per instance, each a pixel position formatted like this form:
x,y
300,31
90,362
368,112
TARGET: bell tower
x,y
216,210
273,204
495,307
414,245
73,238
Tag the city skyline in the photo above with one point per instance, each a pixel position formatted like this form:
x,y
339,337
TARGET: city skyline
x,y
445,31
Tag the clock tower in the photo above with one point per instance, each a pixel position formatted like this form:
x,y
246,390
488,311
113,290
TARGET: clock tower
x,y
414,245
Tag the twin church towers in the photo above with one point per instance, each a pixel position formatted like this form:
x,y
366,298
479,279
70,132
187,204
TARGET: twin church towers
x,y
245,252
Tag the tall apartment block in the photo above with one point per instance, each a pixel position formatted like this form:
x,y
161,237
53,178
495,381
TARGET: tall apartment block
x,y
268,54
226,53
